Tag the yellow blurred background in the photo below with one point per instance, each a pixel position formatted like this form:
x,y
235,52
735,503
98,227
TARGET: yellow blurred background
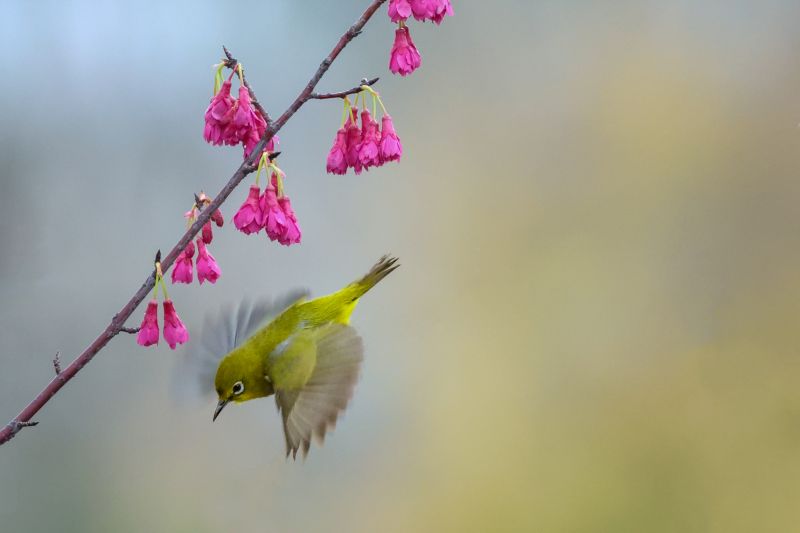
x,y
594,327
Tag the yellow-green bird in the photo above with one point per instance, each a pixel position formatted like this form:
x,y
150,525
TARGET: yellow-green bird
x,y
307,356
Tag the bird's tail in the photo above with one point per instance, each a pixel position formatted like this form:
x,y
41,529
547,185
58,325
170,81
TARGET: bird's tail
x,y
338,307
356,290
380,270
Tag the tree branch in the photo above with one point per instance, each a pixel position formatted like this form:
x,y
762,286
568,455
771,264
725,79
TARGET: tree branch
x,y
23,419
342,94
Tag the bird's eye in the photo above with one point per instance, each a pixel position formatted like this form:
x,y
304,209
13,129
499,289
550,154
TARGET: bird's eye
x,y
238,387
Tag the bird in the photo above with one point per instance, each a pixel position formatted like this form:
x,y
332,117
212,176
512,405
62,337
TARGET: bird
x,y
308,356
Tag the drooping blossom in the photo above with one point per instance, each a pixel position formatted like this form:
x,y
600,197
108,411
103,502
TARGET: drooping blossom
x,y
246,120
218,115
257,128
423,9
369,149
174,331
148,331
391,148
216,216
182,269
207,234
274,219
252,140
435,10
399,10
353,141
404,58
337,157
249,218
207,267
202,201
442,9
291,233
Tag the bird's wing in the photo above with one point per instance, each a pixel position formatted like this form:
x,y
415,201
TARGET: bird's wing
x,y
312,410
223,331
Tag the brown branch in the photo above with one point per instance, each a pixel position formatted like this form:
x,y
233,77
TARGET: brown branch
x,y
23,419
342,94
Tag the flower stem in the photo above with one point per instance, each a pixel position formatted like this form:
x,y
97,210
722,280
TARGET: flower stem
x,y
159,280
260,167
218,78
163,287
375,95
345,110
278,178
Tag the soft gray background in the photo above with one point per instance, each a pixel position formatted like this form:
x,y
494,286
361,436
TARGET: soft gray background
x,y
594,328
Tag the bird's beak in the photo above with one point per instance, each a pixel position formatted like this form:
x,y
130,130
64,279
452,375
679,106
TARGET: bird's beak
x,y
221,405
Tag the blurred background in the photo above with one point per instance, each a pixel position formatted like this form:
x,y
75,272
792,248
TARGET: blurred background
x,y
594,327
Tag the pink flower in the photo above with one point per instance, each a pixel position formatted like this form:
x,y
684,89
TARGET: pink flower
x,y
423,9
216,216
291,233
399,10
442,9
148,331
218,115
352,142
391,149
435,10
337,157
274,219
252,140
246,119
247,125
207,267
249,219
174,331
254,126
207,234
369,150
405,58
182,270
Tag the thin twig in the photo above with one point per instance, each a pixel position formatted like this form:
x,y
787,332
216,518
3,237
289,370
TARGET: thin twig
x,y
342,94
129,330
244,169
15,426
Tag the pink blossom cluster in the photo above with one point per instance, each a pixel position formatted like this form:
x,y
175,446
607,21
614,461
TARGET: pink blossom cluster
x,y
405,58
207,267
271,211
232,121
422,10
174,331
361,148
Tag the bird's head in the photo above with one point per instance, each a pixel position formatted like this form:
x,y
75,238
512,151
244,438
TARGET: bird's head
x,y
238,381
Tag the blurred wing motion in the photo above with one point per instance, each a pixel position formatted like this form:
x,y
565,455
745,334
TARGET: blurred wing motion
x,y
334,354
221,333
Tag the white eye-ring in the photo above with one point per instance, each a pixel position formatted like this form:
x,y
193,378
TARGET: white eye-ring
x,y
238,388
